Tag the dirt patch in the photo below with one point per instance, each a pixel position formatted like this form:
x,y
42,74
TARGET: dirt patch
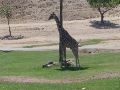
x,y
25,79
46,32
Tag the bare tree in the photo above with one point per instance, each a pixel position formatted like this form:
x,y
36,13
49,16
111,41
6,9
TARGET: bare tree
x,y
6,11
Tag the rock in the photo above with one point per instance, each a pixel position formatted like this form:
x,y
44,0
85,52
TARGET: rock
x,y
49,64
68,63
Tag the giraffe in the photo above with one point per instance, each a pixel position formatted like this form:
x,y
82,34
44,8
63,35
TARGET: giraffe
x,y
66,41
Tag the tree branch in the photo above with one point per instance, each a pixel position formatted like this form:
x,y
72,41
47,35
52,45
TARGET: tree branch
x,y
107,10
99,9
103,12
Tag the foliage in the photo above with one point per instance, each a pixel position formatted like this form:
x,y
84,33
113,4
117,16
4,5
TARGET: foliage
x,y
6,11
104,3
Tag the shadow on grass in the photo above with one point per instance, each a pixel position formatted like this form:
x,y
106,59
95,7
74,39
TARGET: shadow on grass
x,y
6,51
72,69
105,25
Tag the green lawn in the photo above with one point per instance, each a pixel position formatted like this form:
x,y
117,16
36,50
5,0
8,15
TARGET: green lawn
x,y
30,64
31,46
111,84
91,42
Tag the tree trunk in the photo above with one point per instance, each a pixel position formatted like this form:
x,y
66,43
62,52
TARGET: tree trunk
x,y
10,33
61,9
102,15
60,43
102,18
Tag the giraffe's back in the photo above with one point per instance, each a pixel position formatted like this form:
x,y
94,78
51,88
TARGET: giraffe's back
x,y
69,41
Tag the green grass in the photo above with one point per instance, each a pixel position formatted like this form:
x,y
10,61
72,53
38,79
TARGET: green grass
x,y
91,42
106,84
30,64
31,46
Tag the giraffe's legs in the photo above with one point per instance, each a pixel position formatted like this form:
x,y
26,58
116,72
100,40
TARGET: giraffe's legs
x,y
60,54
64,51
75,53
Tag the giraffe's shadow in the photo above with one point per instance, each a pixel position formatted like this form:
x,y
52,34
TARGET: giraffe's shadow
x,y
73,69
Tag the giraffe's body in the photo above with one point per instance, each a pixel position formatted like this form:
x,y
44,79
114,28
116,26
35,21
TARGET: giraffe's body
x,y
66,41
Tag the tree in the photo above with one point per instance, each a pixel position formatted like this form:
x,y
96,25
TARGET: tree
x,y
61,23
103,6
6,11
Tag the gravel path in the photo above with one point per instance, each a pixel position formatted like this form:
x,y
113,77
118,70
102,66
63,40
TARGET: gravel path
x,y
104,46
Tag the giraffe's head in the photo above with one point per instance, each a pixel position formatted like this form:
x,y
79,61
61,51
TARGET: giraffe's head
x,y
52,16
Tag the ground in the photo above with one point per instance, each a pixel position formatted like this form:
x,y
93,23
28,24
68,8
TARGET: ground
x,y
45,34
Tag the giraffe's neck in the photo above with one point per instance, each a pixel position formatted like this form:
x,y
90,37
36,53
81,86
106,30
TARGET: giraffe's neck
x,y
58,24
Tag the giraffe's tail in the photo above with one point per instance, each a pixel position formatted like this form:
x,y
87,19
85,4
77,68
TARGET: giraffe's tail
x,y
79,43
